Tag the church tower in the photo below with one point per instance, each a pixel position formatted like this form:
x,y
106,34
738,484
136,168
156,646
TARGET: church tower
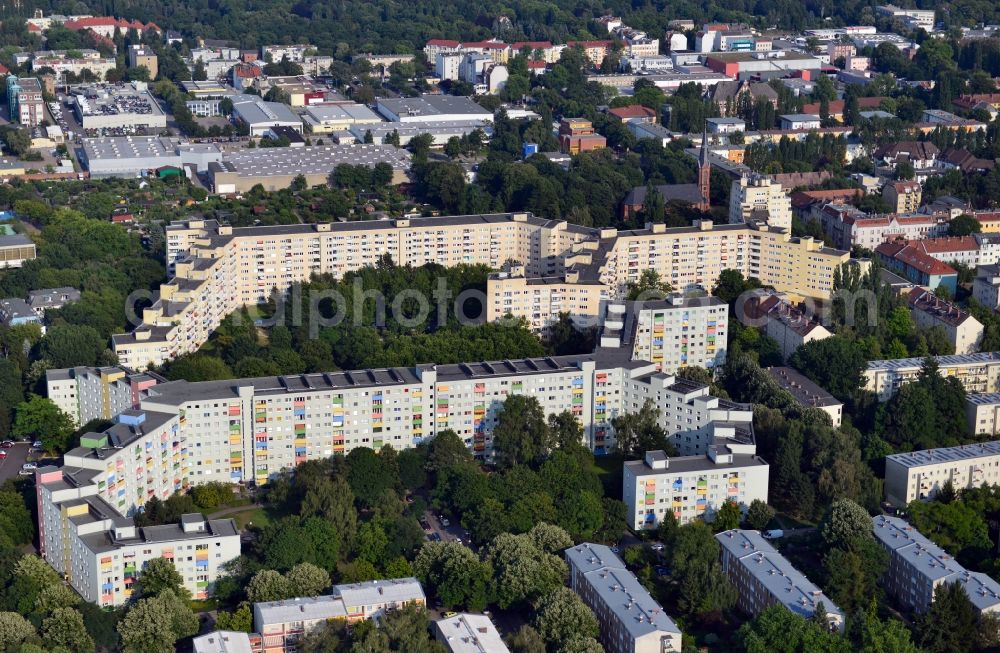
x,y
704,173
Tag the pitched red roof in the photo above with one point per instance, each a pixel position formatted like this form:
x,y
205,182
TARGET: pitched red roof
x,y
444,43
947,244
536,65
632,111
107,21
914,258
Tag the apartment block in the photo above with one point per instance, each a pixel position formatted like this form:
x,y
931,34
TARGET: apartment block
x,y
219,268
758,198
807,393
281,623
929,311
986,286
672,333
920,475
977,372
917,566
982,412
88,393
140,55
902,196
848,227
630,620
469,633
692,487
227,641
763,577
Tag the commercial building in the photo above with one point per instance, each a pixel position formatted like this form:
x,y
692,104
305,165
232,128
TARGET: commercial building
x,y
299,89
673,333
922,18
140,55
277,167
136,156
920,475
439,130
977,372
746,65
807,393
24,100
259,116
929,311
763,577
89,393
432,108
84,530
61,63
758,198
692,487
15,250
469,633
800,121
323,119
281,623
629,619
917,566
132,107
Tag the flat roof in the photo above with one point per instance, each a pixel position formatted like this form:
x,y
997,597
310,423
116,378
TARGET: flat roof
x,y
433,105
694,464
314,159
620,590
125,147
946,454
17,240
222,641
254,111
784,582
311,608
324,113
471,633
949,360
374,592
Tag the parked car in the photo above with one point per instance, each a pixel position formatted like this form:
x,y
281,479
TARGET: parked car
x,y
3,454
25,472
37,444
656,546
775,534
27,466
445,522
6,444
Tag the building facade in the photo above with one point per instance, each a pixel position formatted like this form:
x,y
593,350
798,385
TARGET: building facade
x,y
977,372
763,577
630,620
24,100
89,393
920,475
929,311
760,196
692,487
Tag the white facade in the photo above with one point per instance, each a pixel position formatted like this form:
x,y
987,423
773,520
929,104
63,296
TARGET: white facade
x,y
88,393
448,65
920,475
693,486
469,633
977,372
759,193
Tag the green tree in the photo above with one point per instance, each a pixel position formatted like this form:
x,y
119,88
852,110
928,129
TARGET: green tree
x,y
778,630
526,640
731,285
446,449
521,434
727,517
368,476
239,620
759,515
561,615
846,525
64,628
876,636
963,225
158,575
456,576
14,629
949,626
521,571
306,579
154,624
268,585
69,345
39,418
637,433
834,363
693,555
549,538
198,367
649,287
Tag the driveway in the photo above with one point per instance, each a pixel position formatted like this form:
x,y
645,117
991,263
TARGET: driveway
x,y
16,456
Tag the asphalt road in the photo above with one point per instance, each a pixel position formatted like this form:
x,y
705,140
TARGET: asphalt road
x,y
16,456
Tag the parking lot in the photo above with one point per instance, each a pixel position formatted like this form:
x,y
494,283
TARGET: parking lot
x,y
436,530
16,456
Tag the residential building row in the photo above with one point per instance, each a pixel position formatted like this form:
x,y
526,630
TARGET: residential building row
x,y
790,325
763,577
917,566
978,373
929,311
920,475
564,267
629,619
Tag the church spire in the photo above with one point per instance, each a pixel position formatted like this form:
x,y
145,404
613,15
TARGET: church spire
x,y
704,171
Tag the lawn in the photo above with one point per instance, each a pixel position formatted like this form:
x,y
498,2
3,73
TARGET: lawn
x,y
259,517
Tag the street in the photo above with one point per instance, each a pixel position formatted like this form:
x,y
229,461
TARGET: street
x,y
16,456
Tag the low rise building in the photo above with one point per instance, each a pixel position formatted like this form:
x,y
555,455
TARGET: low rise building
x,y
577,135
920,475
982,412
922,18
763,577
693,487
16,312
917,266
227,641
629,619
986,286
130,108
15,250
281,623
432,108
24,101
807,393
917,566
259,116
324,119
440,131
977,372
277,167
726,125
140,55
51,298
929,311
800,121
469,633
